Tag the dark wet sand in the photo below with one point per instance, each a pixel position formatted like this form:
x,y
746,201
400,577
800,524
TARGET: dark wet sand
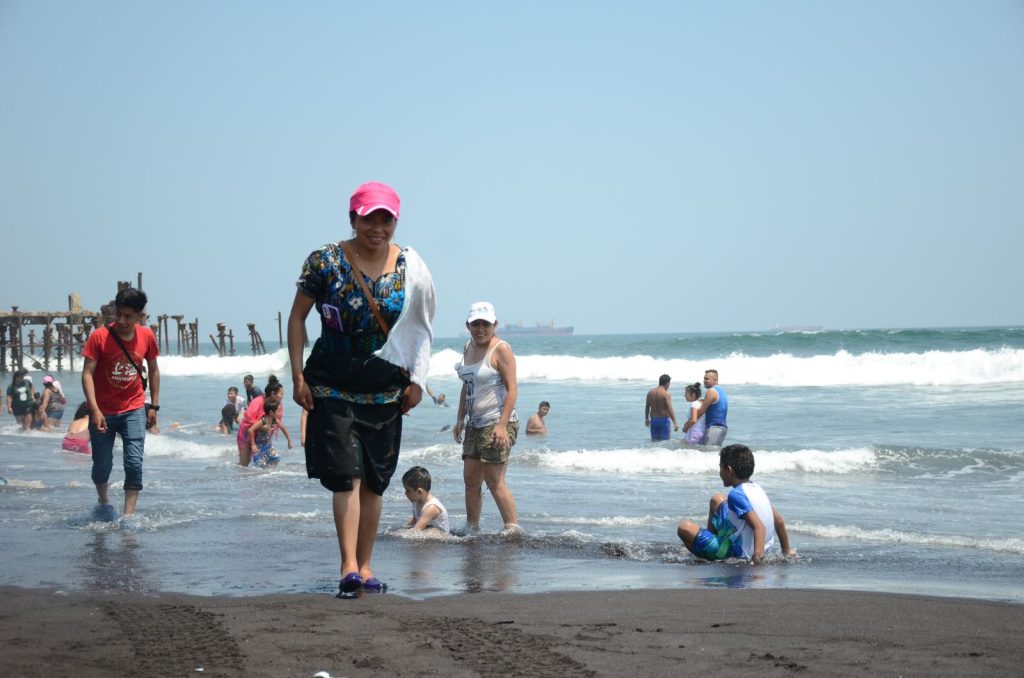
x,y
624,633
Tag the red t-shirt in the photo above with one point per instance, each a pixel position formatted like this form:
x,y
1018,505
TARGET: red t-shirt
x,y
118,385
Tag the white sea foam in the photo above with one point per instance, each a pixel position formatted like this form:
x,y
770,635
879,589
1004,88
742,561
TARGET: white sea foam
x,y
19,484
638,461
270,363
605,521
173,446
1003,545
930,368
297,516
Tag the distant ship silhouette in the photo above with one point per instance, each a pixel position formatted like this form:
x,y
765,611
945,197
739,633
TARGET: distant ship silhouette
x,y
538,329
797,328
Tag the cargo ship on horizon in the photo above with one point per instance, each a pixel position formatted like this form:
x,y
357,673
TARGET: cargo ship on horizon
x,y
537,329
806,329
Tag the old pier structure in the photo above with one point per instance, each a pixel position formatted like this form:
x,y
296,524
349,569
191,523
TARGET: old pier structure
x,y
53,340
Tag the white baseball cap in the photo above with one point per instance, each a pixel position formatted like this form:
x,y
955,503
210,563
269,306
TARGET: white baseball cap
x,y
482,310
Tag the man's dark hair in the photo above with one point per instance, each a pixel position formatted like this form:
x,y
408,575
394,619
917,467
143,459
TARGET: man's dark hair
x,y
714,372
131,298
664,379
544,403
740,458
417,478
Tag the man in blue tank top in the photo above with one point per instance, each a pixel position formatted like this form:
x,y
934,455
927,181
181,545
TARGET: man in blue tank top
x,y
715,410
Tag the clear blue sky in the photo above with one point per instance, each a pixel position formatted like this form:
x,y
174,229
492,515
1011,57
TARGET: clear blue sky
x,y
649,167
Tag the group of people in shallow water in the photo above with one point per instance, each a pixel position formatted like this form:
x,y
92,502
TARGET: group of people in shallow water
x,y
706,423
376,302
34,410
259,415
44,410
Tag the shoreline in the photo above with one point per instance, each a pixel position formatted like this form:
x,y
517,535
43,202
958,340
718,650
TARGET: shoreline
x,y
596,633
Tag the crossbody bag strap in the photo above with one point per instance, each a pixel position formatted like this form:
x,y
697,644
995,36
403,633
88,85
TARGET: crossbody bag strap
x,y
366,290
138,370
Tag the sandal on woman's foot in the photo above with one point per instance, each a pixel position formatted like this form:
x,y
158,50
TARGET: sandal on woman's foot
x,y
350,585
374,585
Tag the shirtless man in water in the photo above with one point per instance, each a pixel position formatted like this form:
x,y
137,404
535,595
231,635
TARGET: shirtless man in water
x,y
536,425
658,411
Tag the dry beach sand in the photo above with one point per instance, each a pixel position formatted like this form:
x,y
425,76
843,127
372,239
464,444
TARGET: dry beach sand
x,y
622,633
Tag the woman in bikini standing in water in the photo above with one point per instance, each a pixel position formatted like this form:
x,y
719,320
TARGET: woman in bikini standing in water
x,y
489,392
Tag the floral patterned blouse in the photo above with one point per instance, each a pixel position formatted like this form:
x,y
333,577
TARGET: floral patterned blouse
x,y
347,324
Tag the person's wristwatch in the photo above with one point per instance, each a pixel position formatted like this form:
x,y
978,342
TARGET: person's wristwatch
x,y
155,408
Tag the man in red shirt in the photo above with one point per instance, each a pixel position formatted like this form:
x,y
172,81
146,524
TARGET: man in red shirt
x,y
115,390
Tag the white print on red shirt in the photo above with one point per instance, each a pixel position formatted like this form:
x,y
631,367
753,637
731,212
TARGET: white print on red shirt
x,y
122,374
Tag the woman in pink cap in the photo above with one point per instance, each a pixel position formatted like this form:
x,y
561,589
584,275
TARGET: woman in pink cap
x,y
365,371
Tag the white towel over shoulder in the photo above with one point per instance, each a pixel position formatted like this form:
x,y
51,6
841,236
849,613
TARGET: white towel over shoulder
x,y
408,344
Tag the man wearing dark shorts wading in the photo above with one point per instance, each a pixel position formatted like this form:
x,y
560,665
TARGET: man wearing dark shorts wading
x,y
658,411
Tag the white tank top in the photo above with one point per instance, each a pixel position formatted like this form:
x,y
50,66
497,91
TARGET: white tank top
x,y
485,391
440,522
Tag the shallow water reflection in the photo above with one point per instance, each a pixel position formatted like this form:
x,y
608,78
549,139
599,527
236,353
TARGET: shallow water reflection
x,y
489,567
112,562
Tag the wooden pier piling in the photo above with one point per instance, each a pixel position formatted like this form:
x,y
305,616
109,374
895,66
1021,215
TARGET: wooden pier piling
x,y
55,338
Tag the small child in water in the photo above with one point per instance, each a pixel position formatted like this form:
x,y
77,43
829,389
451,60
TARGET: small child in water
x,y
228,415
427,512
261,436
77,437
694,426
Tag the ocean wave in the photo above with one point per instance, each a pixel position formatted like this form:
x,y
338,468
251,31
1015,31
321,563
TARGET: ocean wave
x,y
842,368
295,516
176,447
683,461
231,366
1000,545
605,521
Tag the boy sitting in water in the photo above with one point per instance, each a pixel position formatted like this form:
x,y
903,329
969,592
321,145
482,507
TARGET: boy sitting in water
x,y
744,525
427,512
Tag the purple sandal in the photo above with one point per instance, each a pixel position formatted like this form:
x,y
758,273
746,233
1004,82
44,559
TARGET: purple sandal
x,y
374,585
350,585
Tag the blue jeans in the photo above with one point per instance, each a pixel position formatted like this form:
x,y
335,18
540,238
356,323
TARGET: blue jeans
x,y
132,427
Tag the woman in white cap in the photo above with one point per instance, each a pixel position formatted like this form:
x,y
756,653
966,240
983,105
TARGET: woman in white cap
x,y
376,304
487,410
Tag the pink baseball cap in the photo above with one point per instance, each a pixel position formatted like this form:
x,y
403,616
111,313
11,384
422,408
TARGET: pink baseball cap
x,y
371,196
47,379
